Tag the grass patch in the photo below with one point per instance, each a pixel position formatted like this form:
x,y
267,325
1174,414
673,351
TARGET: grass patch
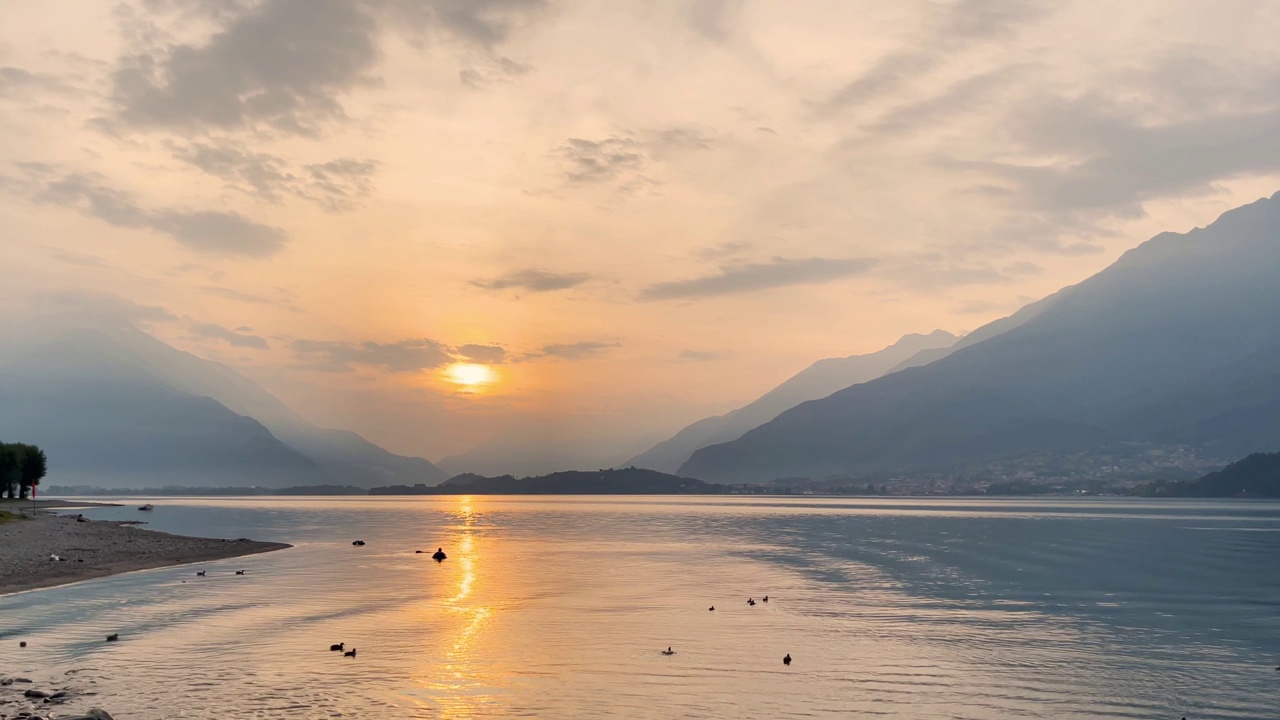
x,y
7,516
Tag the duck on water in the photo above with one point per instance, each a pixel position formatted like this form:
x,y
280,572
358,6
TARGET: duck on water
x,y
439,555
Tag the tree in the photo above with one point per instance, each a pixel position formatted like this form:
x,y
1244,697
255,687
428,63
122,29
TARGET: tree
x,y
10,470
34,467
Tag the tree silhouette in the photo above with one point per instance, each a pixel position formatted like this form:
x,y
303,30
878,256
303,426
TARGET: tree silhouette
x,y
22,466
34,467
10,470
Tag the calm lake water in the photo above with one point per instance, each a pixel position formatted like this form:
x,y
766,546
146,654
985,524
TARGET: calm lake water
x,y
558,608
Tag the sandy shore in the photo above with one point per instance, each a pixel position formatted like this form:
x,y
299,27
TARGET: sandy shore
x,y
95,549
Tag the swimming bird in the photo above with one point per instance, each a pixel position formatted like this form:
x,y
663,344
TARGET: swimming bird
x,y
668,651
239,572
22,643
712,608
339,647
200,573
786,659
765,598
349,653
439,555
358,542
750,601
113,637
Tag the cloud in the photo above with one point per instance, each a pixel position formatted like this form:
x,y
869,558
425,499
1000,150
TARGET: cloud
x,y
482,353
1123,160
76,258
702,355
680,138
715,19
207,231
492,70
962,96
105,305
15,79
961,26
336,186
232,294
724,249
533,280
887,74
412,355
233,337
625,161
738,278
574,351
597,161
284,65
261,174
929,271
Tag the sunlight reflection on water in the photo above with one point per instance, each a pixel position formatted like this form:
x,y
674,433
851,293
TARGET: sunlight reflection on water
x,y
557,607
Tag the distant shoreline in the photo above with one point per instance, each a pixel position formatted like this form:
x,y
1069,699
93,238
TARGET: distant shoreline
x,y
96,549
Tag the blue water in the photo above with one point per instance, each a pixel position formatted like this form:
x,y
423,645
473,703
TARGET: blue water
x,y
557,607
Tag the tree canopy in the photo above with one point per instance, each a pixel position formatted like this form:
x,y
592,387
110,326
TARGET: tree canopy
x,y
22,467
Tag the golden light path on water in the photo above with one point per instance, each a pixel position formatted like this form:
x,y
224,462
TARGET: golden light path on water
x,y
459,687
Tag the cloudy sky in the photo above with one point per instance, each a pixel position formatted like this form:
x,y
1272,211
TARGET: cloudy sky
x,y
634,213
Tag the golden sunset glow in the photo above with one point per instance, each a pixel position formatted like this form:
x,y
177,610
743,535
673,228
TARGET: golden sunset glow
x,y
470,375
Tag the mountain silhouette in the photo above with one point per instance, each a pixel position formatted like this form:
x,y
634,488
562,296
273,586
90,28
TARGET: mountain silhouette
x,y
818,380
113,405
1173,344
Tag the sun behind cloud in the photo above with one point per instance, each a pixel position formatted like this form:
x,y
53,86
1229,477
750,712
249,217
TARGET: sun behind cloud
x,y
471,376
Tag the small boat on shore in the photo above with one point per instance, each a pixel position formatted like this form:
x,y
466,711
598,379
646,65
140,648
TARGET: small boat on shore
x,y
148,507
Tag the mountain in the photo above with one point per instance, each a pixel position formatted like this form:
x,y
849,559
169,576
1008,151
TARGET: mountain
x,y
986,332
624,481
818,380
1175,344
1255,476
87,383
546,447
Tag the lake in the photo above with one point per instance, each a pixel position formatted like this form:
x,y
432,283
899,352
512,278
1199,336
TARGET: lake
x,y
558,607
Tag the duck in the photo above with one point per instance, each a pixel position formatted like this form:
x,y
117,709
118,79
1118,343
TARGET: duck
x,y
239,572
200,573
751,601
358,542
113,637
439,555
764,599
712,608
350,653
339,647
22,643
786,659
668,651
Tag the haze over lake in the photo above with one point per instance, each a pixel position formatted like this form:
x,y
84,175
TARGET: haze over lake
x,y
558,607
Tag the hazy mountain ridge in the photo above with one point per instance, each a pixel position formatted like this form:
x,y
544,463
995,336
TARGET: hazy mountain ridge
x,y
818,380
621,481
1173,343
100,359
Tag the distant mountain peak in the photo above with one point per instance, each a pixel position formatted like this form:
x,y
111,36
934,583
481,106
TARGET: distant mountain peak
x,y
1170,350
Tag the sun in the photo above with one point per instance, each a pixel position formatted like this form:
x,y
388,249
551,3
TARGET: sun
x,y
470,375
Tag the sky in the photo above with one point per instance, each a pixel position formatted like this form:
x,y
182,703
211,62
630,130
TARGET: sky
x,y
576,226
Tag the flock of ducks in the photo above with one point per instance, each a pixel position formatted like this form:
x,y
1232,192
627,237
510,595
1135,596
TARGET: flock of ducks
x,y
786,659
438,556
